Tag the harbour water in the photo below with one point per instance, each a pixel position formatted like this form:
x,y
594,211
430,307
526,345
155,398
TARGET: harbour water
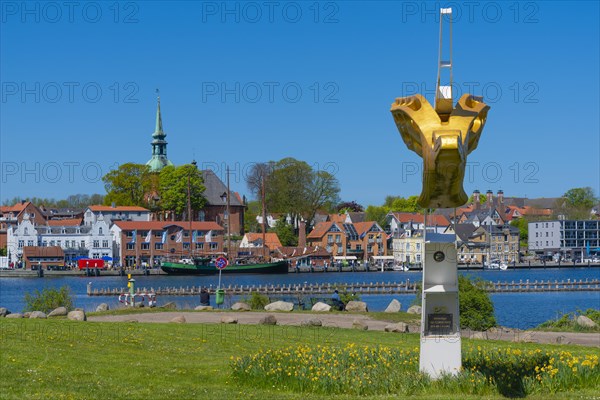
x,y
516,310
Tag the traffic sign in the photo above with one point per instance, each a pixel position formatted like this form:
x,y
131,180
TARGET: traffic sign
x,y
221,262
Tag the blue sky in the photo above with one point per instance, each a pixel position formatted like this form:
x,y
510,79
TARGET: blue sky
x,y
248,82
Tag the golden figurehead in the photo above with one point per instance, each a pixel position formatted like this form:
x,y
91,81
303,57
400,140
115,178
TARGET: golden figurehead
x,y
443,136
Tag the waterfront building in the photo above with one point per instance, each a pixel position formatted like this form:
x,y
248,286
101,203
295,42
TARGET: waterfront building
x,y
408,247
148,242
399,222
566,239
349,241
477,245
253,240
74,238
13,215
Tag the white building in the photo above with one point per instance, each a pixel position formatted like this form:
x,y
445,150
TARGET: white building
x,y
115,213
568,239
76,240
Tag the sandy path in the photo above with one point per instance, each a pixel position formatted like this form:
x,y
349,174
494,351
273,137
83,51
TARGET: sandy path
x,y
346,320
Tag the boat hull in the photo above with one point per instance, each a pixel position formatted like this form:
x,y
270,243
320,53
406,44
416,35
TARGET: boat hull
x,y
174,268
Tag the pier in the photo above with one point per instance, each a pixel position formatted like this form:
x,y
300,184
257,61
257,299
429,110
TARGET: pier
x,y
403,287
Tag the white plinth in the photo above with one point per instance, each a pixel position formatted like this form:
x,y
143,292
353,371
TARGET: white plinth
x,y
440,321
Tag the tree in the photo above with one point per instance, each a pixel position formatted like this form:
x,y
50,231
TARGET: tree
x,y
401,204
293,188
476,307
377,213
523,225
350,206
250,222
482,199
285,232
127,185
173,186
578,202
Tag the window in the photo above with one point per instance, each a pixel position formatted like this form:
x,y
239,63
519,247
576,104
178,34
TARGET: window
x,y
73,244
96,244
82,244
52,243
21,244
407,246
157,234
145,246
186,246
100,231
546,234
130,246
358,247
418,246
129,234
419,257
44,243
338,239
340,250
58,243
158,246
213,246
105,244
26,231
369,248
199,246
329,238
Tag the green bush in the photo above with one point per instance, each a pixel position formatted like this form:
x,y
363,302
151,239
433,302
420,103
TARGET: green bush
x,y
49,299
476,307
257,301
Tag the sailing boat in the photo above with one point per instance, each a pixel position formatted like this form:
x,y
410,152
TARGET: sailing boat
x,y
207,265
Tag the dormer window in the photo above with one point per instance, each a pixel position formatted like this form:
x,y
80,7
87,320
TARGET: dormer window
x,y
26,231
100,230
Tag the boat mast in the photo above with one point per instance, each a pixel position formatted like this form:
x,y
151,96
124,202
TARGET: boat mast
x,y
264,212
189,212
228,216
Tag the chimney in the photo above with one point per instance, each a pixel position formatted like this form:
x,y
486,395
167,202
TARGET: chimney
x,y
476,199
113,204
302,234
490,198
500,197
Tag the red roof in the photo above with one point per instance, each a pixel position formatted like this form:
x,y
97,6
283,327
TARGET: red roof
x,y
271,239
340,218
161,225
320,229
432,219
362,227
117,208
64,222
16,208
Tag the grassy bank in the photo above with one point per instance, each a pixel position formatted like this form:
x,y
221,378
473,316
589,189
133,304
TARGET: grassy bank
x,y
567,322
64,359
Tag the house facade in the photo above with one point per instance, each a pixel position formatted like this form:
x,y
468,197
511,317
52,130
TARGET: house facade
x,y
71,236
357,241
569,239
147,243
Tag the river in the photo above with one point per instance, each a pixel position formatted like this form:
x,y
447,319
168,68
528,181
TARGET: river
x,y
516,310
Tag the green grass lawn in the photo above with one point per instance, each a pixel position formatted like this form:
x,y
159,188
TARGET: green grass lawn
x,y
61,359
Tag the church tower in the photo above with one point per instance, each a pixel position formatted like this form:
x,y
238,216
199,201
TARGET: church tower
x,y
159,145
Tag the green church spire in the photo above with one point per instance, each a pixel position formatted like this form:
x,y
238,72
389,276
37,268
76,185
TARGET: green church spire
x,y
159,158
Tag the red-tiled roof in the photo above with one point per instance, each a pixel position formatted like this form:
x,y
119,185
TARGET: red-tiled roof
x,y
362,227
99,208
64,222
161,225
320,229
432,220
16,208
271,239
339,218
